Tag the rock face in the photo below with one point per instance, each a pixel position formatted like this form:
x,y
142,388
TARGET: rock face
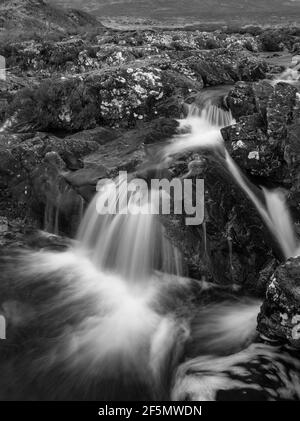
x,y
280,313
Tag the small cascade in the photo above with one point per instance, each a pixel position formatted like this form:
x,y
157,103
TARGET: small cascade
x,y
51,216
200,129
52,212
122,233
281,219
56,206
290,75
275,213
217,116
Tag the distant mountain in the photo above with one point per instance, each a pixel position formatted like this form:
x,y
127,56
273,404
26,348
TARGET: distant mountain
x,y
39,15
205,9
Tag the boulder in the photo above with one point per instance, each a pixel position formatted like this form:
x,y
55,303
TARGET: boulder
x,y
280,111
249,146
279,317
241,100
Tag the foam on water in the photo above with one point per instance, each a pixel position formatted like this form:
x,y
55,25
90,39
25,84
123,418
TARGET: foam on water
x,y
131,244
200,129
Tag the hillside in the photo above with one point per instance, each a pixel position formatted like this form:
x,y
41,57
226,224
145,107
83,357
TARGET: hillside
x,y
39,15
263,10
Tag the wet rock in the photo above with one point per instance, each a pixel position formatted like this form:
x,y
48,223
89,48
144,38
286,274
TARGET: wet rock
x,y
231,246
89,175
280,313
280,111
262,91
241,100
249,98
264,140
101,135
32,179
39,240
13,231
249,146
223,66
265,275
160,130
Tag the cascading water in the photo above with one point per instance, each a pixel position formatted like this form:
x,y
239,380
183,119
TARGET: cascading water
x,y
127,237
290,75
275,214
109,325
201,129
280,218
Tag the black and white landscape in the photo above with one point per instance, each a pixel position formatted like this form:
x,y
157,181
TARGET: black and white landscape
x,y
101,305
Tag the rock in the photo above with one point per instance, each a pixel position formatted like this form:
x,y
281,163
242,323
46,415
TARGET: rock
x,y
89,175
140,85
32,168
249,98
262,91
280,111
160,130
265,275
280,313
99,134
249,146
231,246
264,140
241,100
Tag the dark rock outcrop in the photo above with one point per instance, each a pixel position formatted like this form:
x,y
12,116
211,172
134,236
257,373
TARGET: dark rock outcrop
x,y
280,313
261,140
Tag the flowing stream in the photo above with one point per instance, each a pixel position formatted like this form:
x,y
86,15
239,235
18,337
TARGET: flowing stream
x,y
118,314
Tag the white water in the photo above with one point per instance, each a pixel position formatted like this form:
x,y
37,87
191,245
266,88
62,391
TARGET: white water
x,y
132,245
104,331
201,378
200,129
281,219
275,213
123,332
203,131
291,76
224,327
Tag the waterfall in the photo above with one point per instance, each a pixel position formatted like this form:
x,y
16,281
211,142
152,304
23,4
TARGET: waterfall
x,y
202,130
275,214
132,244
281,219
116,328
289,75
